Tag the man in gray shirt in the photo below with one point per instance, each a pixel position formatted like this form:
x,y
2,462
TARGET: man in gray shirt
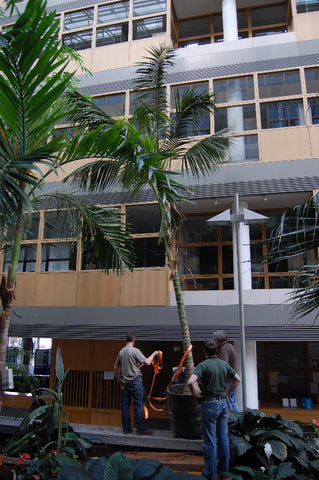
x,y
128,373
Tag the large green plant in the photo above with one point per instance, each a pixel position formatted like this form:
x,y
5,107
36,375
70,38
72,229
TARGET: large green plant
x,y
33,83
270,447
166,151
298,233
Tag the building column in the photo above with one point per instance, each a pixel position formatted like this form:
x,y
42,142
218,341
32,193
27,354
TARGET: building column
x,y
245,253
250,346
230,26
251,375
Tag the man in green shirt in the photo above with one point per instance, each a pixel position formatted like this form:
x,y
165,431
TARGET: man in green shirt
x,y
212,374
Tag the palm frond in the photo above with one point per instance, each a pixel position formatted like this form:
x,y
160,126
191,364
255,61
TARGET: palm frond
x,y
152,71
305,296
101,228
297,233
84,113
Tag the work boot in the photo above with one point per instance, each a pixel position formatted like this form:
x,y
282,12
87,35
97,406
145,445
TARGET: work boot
x,y
146,432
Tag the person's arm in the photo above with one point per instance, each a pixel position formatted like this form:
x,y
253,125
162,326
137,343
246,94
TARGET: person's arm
x,y
235,381
193,386
117,373
149,359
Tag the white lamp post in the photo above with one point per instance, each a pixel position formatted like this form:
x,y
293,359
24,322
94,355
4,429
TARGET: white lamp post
x,y
248,217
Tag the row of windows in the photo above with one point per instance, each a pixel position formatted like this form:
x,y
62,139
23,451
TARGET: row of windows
x,y
305,6
252,22
242,114
205,253
117,26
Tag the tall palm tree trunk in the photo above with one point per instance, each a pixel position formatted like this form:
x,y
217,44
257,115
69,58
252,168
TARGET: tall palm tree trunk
x,y
7,290
171,253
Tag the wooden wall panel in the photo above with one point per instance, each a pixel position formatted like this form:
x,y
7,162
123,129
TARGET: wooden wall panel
x,y
104,354
285,144
56,289
97,289
75,353
25,291
145,288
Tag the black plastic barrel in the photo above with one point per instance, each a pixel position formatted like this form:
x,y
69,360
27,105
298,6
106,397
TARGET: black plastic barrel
x,y
185,412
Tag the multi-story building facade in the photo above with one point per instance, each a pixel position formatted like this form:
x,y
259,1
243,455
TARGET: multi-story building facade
x,y
260,59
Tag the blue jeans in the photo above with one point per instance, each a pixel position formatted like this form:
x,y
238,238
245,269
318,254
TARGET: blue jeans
x,y
231,400
215,436
134,389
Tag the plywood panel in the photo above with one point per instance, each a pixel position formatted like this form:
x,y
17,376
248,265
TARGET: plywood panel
x,y
25,290
145,288
97,289
104,354
306,26
75,353
314,141
284,144
56,289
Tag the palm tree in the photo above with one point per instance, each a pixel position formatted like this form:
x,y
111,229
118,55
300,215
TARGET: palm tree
x,y
33,83
166,151
298,233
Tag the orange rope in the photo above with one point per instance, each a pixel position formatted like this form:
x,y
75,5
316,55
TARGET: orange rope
x,y
158,365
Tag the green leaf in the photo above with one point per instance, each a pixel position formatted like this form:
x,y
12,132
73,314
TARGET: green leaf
x,y
118,468
59,367
279,449
239,446
74,473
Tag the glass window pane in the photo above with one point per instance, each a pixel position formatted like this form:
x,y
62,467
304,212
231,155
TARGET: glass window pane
x,y
143,218
198,260
312,79
292,264
149,253
194,27
242,19
198,41
256,253
234,89
313,351
27,258
286,354
191,284
269,31
227,261
177,91
268,15
78,40
236,119
244,149
281,282
314,110
58,257
112,34
56,226
78,19
196,230
149,27
279,84
32,226
113,12
282,114
147,7
258,283
305,6
228,284
111,104
194,126
218,23
227,233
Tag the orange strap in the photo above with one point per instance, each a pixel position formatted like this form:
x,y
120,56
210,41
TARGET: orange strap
x,y
158,365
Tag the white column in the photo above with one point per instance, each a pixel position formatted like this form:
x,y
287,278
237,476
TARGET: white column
x,y
251,375
230,26
245,253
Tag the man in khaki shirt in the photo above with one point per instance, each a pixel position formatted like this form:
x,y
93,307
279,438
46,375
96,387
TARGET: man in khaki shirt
x,y
128,373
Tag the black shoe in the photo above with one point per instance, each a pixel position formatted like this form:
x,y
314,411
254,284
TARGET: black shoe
x,y
130,430
146,432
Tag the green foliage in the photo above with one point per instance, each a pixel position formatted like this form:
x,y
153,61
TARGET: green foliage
x,y
270,447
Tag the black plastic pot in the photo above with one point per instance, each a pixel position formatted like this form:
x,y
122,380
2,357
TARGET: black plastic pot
x,y
186,413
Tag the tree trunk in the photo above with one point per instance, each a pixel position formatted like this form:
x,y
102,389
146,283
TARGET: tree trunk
x,y
7,289
171,252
